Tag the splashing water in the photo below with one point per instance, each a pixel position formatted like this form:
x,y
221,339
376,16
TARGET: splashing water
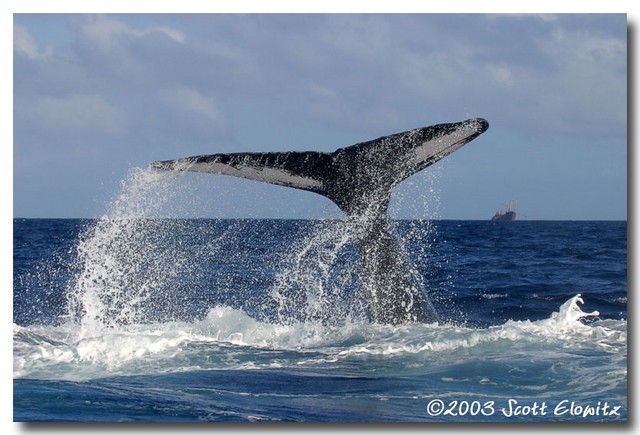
x,y
130,260
318,276
130,255
566,322
569,315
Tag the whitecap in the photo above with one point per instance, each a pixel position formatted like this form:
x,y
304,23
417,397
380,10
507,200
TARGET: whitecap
x,y
229,338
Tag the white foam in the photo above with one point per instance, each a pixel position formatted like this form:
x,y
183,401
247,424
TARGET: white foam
x,y
229,338
494,295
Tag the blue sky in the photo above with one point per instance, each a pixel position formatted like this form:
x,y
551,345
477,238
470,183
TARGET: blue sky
x,y
97,95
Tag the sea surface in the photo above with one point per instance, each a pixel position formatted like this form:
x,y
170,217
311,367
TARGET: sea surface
x,y
131,318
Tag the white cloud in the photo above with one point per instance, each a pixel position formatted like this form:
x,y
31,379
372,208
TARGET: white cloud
x,y
347,69
105,30
174,34
547,18
542,73
586,89
24,43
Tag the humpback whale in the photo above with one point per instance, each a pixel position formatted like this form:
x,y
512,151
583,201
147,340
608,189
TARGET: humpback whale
x,y
359,180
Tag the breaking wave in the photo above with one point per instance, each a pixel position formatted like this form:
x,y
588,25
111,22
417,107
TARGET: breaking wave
x,y
228,338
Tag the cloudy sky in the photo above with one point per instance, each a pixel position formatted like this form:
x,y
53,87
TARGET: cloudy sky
x,y
98,95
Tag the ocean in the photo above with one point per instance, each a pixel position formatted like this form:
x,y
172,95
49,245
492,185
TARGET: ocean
x,y
136,318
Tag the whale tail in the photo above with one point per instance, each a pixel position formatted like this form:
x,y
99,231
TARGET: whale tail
x,y
359,179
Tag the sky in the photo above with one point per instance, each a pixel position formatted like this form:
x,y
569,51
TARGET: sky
x,y
95,96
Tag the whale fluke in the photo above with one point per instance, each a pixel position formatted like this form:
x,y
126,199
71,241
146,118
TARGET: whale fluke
x,y
359,179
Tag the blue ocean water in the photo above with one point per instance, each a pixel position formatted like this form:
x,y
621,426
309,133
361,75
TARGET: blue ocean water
x,y
130,318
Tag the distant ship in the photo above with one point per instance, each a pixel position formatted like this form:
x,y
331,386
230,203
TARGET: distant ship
x,y
507,213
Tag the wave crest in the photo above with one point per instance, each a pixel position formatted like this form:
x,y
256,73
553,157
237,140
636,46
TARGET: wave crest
x,y
228,338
